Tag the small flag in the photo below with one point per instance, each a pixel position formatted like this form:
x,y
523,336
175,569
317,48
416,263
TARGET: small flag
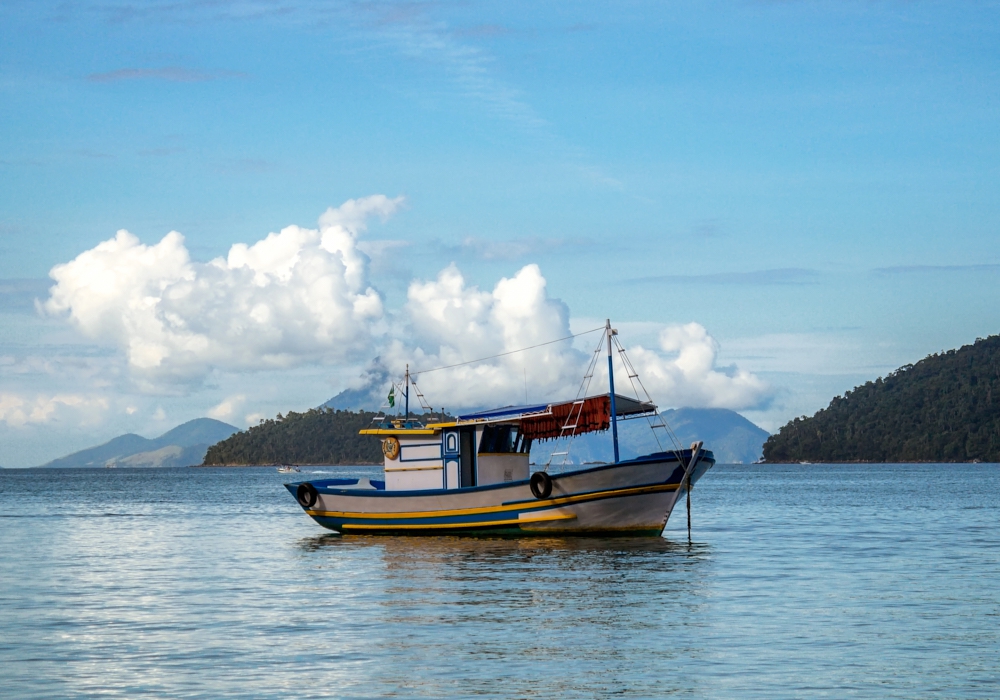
x,y
392,396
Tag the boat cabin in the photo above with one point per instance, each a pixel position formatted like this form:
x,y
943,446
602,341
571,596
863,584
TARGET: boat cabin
x,y
488,447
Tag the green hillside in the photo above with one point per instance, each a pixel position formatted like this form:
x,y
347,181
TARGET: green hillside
x,y
945,408
318,436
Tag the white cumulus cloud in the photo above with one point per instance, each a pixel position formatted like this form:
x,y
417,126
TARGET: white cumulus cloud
x,y
683,372
227,407
449,322
296,296
17,410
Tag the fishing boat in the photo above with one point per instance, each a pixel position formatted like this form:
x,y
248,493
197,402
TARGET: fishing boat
x,y
288,469
472,475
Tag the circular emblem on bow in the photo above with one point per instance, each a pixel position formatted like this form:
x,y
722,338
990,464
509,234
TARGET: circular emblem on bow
x,y
390,448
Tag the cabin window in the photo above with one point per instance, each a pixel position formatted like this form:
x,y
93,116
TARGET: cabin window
x,y
503,439
522,445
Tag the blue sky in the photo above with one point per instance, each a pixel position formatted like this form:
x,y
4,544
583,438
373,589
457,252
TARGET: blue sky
x,y
814,184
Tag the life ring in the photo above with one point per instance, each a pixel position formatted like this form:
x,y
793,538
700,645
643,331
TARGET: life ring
x,y
306,494
390,448
541,485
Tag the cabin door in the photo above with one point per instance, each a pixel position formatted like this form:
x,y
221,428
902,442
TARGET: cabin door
x,y
468,458
451,452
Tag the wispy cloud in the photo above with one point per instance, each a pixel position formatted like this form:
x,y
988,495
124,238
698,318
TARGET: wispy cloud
x,y
381,247
910,269
91,154
484,30
812,353
18,295
415,34
512,249
786,275
597,176
194,10
409,27
160,152
171,74
708,228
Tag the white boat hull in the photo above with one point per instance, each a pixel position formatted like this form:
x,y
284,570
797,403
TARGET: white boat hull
x,y
632,497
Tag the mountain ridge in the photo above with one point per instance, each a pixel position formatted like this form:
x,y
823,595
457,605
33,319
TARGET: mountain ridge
x,y
191,438
731,437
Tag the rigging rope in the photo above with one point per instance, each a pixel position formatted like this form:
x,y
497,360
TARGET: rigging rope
x,y
509,352
580,394
633,374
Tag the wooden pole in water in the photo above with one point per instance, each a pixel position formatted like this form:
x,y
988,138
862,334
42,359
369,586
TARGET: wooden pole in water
x,y
689,509
686,481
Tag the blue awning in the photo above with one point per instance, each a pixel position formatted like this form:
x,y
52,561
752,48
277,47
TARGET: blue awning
x,y
505,411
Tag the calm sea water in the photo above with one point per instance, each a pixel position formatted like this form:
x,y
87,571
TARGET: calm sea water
x,y
821,581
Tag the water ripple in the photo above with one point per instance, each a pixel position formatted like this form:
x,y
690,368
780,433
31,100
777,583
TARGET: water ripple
x,y
845,581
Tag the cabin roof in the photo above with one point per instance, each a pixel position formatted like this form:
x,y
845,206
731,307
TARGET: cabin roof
x,y
505,412
530,414
624,406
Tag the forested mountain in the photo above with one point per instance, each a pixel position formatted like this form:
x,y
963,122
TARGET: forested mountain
x,y
945,408
318,436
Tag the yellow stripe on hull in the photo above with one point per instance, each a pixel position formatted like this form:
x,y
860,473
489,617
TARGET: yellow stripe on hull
x,y
398,431
457,526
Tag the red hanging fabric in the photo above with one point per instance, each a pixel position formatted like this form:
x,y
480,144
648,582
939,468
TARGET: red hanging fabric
x,y
595,415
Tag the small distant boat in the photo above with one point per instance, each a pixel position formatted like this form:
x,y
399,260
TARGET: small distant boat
x,y
471,476
288,469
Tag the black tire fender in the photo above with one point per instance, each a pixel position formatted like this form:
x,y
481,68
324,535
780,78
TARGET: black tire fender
x,y
307,495
541,485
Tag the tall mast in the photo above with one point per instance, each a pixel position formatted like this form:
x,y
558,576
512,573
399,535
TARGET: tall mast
x,y
406,394
611,379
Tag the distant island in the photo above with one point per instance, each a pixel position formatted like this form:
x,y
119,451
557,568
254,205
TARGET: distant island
x,y
945,408
317,436
181,447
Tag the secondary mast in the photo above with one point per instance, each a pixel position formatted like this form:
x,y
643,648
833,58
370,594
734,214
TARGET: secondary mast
x,y
611,379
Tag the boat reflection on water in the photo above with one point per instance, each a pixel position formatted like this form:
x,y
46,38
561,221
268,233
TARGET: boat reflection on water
x,y
504,555
500,545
